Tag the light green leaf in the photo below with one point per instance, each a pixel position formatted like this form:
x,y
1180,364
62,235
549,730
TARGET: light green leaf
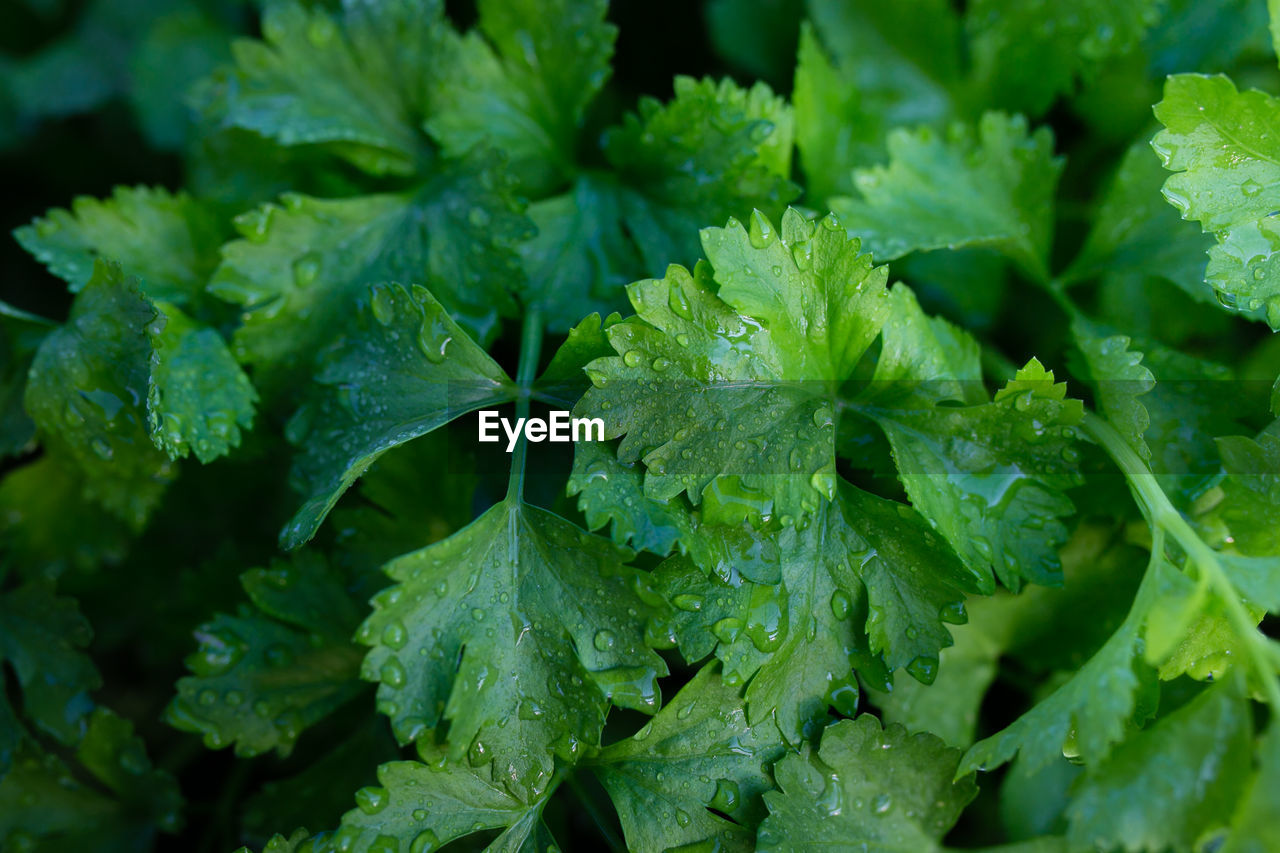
x,y
990,186
300,267
990,477
199,399
519,630
1119,379
1025,54
1086,716
86,390
612,493
402,370
699,753
866,789
1227,163
741,382
1167,786
1253,827
169,241
264,675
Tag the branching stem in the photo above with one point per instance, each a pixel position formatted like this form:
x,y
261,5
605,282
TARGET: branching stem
x,y
1162,515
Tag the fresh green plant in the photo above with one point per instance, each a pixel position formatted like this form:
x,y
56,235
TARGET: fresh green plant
x,y
940,501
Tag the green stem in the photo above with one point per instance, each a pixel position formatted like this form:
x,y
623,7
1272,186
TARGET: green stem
x,y
1164,516
530,349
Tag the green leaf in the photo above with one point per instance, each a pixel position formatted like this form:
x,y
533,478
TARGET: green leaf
x,y
360,85
20,337
1119,379
169,241
527,94
991,477
300,267
747,374
179,49
866,788
1167,786
402,370
1086,716
758,36
714,151
990,187
45,805
424,806
1025,54
399,510
1135,233
264,675
46,525
743,136
581,257
698,754
42,638
949,706
86,390
321,791
199,399
1253,826
1251,492
885,65
1227,177
866,580
565,377
519,630
612,493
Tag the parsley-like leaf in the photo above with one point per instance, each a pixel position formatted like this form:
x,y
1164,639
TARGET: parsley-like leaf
x,y
300,266
264,675
87,389
518,629
1218,142
1166,787
198,399
989,186
403,369
881,789
698,756
169,241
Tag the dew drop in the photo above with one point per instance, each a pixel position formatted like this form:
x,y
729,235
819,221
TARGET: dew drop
x,y
372,800
383,304
392,673
761,231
